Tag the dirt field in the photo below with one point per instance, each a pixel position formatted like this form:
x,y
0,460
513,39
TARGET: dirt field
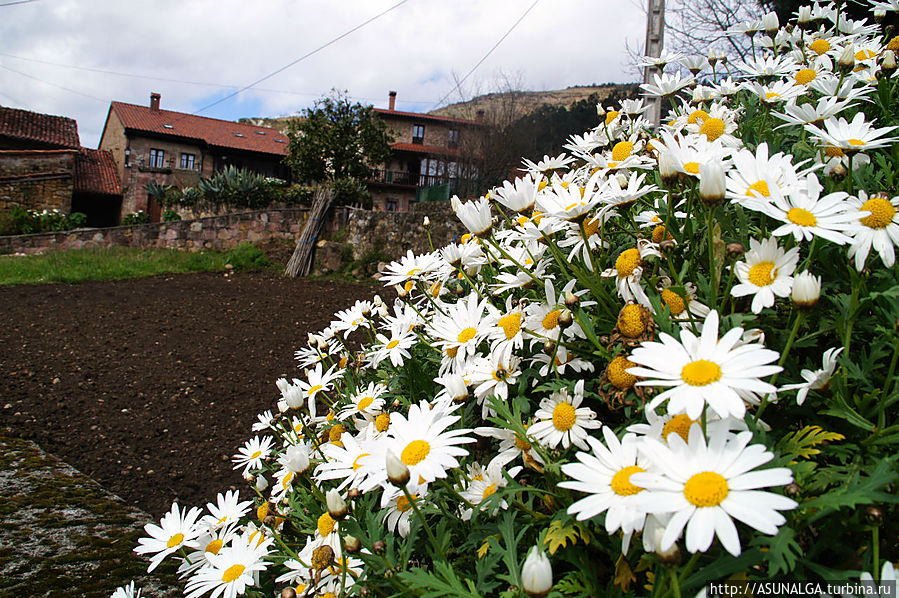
x,y
150,385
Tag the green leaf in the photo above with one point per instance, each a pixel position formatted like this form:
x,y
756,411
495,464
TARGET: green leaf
x,y
800,444
783,551
443,581
857,491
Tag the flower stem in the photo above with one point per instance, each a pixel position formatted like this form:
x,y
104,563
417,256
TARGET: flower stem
x,y
424,523
800,316
875,545
675,582
888,387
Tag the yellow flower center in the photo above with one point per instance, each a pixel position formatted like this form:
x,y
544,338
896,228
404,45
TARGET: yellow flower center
x,y
326,524
621,481
489,491
696,116
700,372
408,286
314,390
413,271
382,422
255,455
805,76
630,321
336,432
692,167
467,334
712,128
511,324
452,352
175,540
771,95
215,546
287,479
760,188
564,417
591,226
833,152
617,374
392,344
660,233
610,116
551,320
356,464
819,46
680,425
706,489
674,302
855,142
415,452
262,511
865,54
622,150
801,217
435,289
521,444
762,274
403,504
232,573
365,403
626,262
894,44
882,213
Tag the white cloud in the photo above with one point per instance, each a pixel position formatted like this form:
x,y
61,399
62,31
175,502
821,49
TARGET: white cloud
x,y
415,49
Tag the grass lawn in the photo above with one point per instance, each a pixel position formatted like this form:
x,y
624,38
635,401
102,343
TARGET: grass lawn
x,y
123,262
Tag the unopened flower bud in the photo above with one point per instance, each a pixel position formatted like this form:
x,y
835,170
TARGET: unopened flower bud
x,y
735,250
352,544
297,459
600,111
879,14
667,168
770,23
426,222
712,183
549,347
397,472
874,515
337,508
847,60
566,318
261,483
353,494
806,290
288,592
804,17
838,172
792,490
536,574
572,300
888,63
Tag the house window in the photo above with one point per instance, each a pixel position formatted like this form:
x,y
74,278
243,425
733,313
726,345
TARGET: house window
x,y
188,161
418,134
453,140
390,204
157,158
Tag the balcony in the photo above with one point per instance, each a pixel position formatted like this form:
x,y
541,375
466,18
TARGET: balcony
x,y
410,179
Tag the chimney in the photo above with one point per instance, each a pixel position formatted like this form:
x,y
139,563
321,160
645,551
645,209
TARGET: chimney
x,y
154,101
392,105
480,116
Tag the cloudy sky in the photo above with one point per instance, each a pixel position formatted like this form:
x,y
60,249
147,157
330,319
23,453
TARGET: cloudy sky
x,y
73,57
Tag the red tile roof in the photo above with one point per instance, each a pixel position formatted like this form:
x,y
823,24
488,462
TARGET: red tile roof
x,y
212,131
39,129
426,117
96,172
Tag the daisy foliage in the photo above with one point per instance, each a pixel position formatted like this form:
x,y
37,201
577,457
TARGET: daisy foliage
x,y
667,358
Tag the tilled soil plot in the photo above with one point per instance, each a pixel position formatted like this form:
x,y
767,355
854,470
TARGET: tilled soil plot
x,y
150,385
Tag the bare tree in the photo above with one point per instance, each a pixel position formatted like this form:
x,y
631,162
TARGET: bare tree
x,y
697,26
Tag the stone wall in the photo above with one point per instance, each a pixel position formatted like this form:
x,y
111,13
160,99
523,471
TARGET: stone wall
x,y
37,179
217,232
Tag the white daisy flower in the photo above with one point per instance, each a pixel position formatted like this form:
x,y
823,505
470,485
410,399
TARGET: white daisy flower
x,y
547,166
461,327
398,508
519,196
880,229
485,484
857,135
705,486
757,174
605,475
815,379
806,214
351,463
492,376
228,509
177,529
666,84
234,569
394,347
474,214
252,454
705,371
126,591
767,272
560,419
366,401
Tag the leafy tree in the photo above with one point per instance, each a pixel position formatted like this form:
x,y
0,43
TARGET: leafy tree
x,y
336,140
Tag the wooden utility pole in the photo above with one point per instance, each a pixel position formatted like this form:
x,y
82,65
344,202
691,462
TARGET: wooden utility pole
x,y
655,39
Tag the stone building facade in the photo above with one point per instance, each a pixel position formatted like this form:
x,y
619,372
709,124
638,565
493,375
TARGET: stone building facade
x,y
149,144
37,179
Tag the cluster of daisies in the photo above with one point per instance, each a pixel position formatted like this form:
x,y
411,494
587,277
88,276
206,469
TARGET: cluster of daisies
x,y
525,341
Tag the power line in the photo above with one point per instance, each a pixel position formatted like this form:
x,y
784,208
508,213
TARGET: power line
x,y
16,2
301,58
27,76
489,52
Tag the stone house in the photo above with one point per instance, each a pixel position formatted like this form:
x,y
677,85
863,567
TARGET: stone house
x,y
174,148
44,167
430,155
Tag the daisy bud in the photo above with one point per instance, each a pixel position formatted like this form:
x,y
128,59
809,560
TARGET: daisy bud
x,y
353,494
427,222
261,483
397,472
566,318
847,60
667,168
288,592
380,546
880,14
804,18
600,111
536,574
549,347
297,459
711,183
337,508
874,515
735,250
352,544
838,172
806,290
770,23
888,63
792,489
572,300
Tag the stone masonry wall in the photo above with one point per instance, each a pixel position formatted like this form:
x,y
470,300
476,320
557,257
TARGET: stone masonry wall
x,y
37,180
217,232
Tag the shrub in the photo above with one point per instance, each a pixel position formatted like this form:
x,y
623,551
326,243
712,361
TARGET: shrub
x,y
19,221
135,218
170,216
